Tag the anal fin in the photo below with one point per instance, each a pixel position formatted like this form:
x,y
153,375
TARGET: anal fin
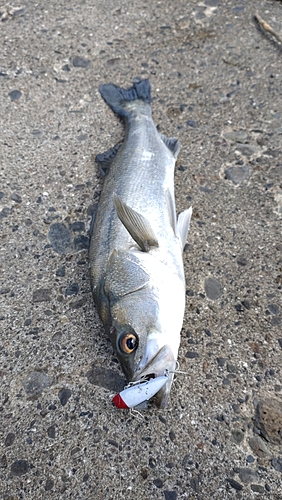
x,y
105,159
137,225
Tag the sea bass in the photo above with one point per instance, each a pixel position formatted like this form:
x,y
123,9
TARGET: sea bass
x,y
135,254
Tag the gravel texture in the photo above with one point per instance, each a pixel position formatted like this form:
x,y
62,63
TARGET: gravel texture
x,y
216,85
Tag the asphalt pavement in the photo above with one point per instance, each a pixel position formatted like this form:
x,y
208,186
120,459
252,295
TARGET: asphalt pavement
x,y
216,86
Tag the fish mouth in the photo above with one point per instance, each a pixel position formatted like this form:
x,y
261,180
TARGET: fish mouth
x,y
163,363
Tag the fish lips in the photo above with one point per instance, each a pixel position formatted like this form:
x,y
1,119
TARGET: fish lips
x,y
163,363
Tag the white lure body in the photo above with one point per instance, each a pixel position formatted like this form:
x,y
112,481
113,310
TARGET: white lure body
x,y
136,393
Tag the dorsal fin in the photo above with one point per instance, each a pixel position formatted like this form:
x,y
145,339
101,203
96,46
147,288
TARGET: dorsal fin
x,y
172,144
171,210
183,224
137,225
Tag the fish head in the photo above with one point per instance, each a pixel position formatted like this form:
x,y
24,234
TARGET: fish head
x,y
144,357
146,319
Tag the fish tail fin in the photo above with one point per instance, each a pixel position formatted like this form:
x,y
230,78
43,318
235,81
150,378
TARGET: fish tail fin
x,y
116,97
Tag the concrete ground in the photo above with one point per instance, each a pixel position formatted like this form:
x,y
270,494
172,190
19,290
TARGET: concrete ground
x,y
216,83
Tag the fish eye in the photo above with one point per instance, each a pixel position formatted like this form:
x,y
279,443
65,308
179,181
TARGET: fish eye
x,y
128,342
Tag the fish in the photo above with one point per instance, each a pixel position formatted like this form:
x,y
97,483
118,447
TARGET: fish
x,y
137,241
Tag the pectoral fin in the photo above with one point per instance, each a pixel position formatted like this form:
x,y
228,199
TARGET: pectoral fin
x,y
137,225
183,224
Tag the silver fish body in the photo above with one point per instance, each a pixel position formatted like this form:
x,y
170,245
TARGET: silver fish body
x,y
136,246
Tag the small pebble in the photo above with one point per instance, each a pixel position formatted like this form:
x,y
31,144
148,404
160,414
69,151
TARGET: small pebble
x,y
277,464
213,288
236,408
237,436
79,62
36,133
42,295
169,465
73,289
78,303
191,123
15,95
211,3
61,271
81,242
64,395
78,226
234,484
5,212
238,8
275,153
257,488
170,495
221,361
237,174
110,63
172,435
16,197
234,136
246,303
49,484
246,475
158,483
274,308
247,149
60,238
10,438
51,432
19,467
205,189
191,355
82,137
152,463
259,447
241,260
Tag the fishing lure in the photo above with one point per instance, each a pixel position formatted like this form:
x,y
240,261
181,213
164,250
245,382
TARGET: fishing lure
x,y
137,392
